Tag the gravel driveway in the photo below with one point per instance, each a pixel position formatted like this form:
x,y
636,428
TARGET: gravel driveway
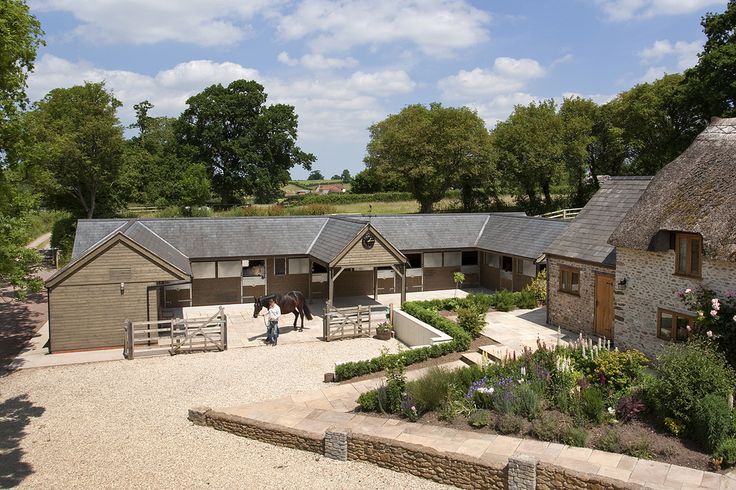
x,y
123,423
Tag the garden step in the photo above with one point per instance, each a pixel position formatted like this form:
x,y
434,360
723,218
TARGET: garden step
x,y
472,358
497,352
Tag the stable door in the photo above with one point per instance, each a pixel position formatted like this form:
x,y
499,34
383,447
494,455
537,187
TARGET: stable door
x,y
604,305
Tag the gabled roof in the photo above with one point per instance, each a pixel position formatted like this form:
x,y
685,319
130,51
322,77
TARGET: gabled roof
x,y
332,239
520,235
693,193
430,231
587,236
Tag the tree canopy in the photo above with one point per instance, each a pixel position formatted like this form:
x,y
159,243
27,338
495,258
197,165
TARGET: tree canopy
x,y
247,146
315,175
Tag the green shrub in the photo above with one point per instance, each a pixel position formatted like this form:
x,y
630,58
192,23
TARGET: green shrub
x,y
538,287
350,198
529,401
479,302
712,421
429,391
470,320
726,451
504,300
685,373
368,401
574,436
509,424
609,441
592,404
525,299
464,377
479,418
619,369
550,426
640,448
312,210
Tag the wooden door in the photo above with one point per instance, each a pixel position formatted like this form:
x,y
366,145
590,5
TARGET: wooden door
x,y
604,305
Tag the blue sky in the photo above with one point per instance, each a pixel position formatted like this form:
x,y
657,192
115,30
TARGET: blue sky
x,y
347,64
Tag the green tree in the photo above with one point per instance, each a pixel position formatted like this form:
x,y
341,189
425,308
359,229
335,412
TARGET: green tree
x,y
315,175
712,82
367,181
194,186
20,38
530,153
78,139
430,149
658,122
579,117
247,146
345,176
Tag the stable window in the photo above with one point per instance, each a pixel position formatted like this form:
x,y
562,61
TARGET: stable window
x,y
453,259
507,264
672,325
254,268
470,258
433,259
528,268
569,280
493,260
229,268
318,268
279,267
204,270
298,266
415,260
687,254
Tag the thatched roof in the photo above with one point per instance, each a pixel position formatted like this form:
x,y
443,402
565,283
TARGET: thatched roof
x,y
694,193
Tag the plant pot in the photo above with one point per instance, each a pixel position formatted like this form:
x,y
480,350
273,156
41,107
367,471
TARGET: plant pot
x,y
383,335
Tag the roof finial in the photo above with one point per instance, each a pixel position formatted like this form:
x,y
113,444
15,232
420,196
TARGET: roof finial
x,y
370,212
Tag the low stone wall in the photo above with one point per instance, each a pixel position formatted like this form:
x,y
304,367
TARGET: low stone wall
x,y
416,333
519,473
426,463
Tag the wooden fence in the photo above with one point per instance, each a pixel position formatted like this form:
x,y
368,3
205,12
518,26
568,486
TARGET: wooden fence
x,y
176,335
353,321
569,213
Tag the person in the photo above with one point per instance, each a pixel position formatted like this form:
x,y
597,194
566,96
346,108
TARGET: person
x,y
274,313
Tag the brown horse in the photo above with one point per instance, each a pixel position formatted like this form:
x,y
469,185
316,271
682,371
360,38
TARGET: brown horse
x,y
291,302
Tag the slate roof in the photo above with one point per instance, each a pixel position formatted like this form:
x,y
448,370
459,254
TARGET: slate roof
x,y
323,237
693,193
587,236
520,235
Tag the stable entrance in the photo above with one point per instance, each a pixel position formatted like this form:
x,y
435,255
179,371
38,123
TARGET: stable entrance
x,y
604,305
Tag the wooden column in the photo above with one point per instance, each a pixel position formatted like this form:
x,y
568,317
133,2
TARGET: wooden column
x,y
309,284
375,284
403,283
330,285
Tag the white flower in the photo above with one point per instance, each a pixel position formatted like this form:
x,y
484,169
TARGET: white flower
x,y
611,411
485,391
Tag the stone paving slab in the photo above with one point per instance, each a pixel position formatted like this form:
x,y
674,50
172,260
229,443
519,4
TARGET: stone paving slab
x,y
332,407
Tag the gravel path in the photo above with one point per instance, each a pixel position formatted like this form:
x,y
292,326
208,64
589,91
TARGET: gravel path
x,y
123,423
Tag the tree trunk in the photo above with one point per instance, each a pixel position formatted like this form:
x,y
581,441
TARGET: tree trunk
x,y
425,206
547,194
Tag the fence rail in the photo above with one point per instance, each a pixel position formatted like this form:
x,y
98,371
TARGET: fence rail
x,y
176,335
569,213
354,321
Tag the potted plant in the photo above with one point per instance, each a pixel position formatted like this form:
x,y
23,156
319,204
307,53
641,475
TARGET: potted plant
x,y
384,331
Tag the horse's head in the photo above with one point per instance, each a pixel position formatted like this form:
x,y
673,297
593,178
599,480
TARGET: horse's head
x,y
257,307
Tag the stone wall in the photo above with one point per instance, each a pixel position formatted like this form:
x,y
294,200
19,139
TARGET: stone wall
x,y
651,283
569,311
553,477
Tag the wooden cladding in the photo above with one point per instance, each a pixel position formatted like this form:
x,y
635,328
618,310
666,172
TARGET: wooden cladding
x,y
688,253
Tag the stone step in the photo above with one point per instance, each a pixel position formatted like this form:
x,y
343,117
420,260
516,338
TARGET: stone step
x,y
497,352
472,358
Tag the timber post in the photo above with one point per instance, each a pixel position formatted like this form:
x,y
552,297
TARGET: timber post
x,y
129,339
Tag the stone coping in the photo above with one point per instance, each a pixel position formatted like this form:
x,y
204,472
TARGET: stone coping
x,y
301,421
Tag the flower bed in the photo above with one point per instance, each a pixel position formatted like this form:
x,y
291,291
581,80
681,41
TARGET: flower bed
x,y
583,395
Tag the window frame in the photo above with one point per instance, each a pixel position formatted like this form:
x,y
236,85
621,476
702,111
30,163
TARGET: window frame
x,y
675,316
688,272
572,271
275,266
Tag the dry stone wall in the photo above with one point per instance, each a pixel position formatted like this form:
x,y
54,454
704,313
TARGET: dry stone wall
x,y
569,311
651,283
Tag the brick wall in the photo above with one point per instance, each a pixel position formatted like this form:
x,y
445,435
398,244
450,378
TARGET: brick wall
x,y
575,313
651,284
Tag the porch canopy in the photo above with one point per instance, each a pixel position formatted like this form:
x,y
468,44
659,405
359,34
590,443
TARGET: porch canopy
x,y
347,245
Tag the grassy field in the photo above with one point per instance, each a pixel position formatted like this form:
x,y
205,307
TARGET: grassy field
x,y
311,185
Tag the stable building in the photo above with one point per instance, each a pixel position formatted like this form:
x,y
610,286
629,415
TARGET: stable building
x,y
147,269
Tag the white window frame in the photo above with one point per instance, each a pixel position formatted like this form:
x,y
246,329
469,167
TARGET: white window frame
x,y
229,268
298,266
204,270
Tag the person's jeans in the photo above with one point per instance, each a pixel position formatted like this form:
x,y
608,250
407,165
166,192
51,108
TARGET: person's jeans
x,y
272,334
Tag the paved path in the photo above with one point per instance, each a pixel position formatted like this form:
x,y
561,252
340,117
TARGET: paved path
x,y
40,241
331,406
521,328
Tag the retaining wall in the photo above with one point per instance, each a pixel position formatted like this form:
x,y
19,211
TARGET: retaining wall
x,y
416,333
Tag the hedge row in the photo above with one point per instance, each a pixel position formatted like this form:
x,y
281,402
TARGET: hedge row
x,y
350,198
423,311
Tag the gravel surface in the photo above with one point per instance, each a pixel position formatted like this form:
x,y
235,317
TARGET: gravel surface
x,y
123,423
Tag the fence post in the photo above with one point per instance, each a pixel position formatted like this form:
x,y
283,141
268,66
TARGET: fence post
x,y
129,338
224,332
326,326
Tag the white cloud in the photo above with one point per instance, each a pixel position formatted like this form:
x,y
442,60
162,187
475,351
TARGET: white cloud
x,y
599,99
317,61
201,22
436,27
623,10
685,53
653,73
507,75
499,107
327,107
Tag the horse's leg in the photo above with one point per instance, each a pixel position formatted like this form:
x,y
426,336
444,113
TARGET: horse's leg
x,y
296,317
301,314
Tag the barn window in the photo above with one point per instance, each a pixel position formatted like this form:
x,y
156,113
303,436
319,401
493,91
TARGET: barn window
x,y
470,258
415,260
433,259
229,268
570,280
279,267
688,249
318,268
453,259
507,263
528,268
254,268
204,270
298,266
493,260
672,325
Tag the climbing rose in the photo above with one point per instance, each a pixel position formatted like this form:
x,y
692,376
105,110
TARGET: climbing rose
x,y
709,333
688,291
713,313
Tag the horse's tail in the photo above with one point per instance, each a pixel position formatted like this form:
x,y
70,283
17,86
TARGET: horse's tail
x,y
303,300
307,313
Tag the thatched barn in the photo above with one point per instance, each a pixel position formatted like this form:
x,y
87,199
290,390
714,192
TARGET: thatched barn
x,y
581,264
680,234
